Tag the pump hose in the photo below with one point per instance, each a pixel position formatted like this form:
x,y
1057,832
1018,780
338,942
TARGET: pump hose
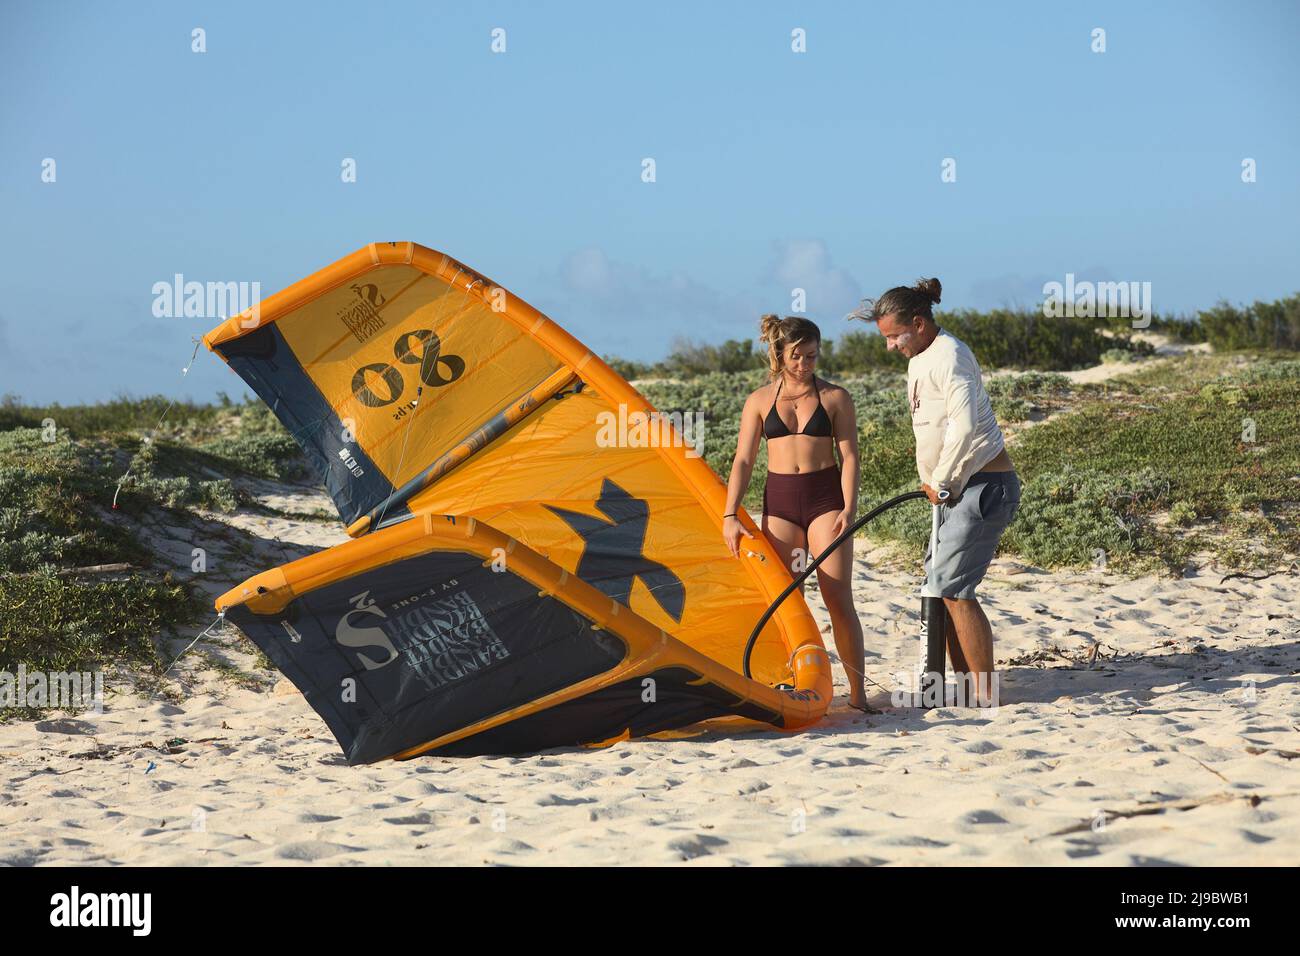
x,y
767,615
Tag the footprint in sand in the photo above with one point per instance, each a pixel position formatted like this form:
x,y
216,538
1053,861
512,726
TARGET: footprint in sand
x,y
555,800
695,847
308,851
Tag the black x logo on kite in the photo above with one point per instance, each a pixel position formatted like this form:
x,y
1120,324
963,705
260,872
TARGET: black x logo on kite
x,y
612,559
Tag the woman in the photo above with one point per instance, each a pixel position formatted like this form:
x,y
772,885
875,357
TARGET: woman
x,y
808,500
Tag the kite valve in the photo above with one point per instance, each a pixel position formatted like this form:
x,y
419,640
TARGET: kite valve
x,y
817,652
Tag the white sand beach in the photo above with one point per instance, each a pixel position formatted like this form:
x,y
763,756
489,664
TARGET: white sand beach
x,y
1144,721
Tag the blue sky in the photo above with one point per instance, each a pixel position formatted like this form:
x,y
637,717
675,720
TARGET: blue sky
x,y
774,169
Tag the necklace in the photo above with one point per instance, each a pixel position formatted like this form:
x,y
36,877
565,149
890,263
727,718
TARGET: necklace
x,y
795,398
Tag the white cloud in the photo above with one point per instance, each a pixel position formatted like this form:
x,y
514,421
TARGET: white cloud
x,y
629,310
806,264
636,292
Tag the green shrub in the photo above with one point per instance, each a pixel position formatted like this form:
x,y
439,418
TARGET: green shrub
x,y
626,368
1029,383
1182,514
52,498
55,501
1287,370
1263,325
58,623
688,358
119,415
1008,410
149,478
1178,329
1224,394
1067,516
269,455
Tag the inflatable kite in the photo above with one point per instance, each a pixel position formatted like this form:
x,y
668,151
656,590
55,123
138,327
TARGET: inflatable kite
x,y
537,557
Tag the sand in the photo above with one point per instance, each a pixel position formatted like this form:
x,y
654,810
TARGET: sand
x,y
1176,743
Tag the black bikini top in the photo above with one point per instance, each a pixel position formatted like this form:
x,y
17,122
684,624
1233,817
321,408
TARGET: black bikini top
x,y
819,425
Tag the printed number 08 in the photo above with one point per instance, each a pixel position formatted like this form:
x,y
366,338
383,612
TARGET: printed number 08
x,y
429,360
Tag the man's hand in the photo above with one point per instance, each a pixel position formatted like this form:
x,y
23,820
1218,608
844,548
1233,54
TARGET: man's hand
x,y
934,496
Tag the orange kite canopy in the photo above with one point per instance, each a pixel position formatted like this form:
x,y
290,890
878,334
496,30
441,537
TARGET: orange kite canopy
x,y
519,577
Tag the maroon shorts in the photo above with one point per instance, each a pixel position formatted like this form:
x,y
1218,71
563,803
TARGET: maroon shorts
x,y
803,496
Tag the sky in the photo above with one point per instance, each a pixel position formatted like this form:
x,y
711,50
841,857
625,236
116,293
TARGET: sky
x,y
774,169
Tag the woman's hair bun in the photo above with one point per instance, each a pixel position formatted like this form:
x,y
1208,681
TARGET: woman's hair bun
x,y
778,333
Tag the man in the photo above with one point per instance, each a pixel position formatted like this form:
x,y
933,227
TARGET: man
x,y
964,469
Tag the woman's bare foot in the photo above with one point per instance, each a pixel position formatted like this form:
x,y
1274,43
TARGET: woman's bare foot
x,y
861,704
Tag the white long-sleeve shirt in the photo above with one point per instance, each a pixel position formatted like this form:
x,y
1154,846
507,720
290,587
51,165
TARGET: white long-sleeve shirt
x,y
952,418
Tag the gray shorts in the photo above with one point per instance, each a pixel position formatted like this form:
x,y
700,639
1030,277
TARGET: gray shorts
x,y
969,532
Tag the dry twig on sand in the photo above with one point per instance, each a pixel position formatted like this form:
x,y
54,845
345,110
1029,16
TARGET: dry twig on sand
x,y
1143,811
1256,577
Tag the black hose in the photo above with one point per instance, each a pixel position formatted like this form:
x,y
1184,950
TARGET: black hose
x,y
847,533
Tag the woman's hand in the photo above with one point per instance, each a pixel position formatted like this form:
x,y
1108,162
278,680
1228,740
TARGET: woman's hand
x,y
732,529
842,521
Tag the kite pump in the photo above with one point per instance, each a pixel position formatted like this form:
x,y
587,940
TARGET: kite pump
x,y
933,613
